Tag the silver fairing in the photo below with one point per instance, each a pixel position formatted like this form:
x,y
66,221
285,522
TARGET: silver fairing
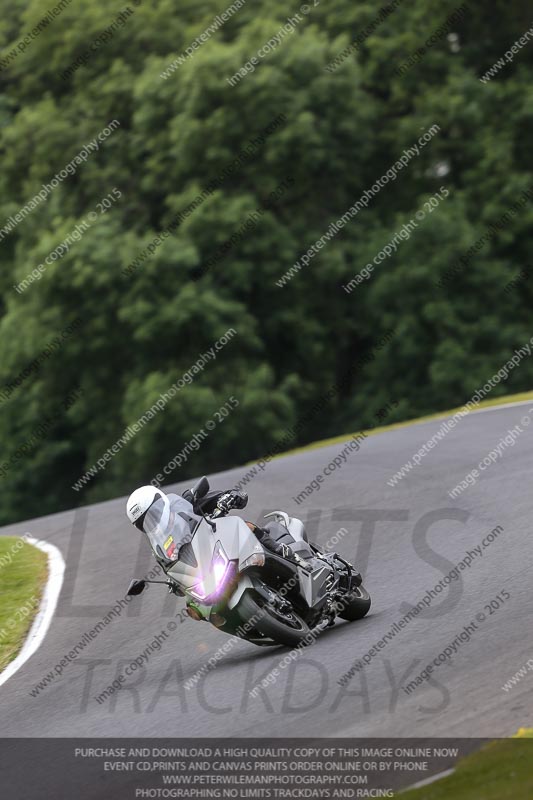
x,y
238,543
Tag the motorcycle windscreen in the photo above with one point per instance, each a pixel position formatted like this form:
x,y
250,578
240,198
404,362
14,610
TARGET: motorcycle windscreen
x,y
169,526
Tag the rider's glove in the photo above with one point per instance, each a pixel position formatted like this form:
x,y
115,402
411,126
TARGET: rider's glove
x,y
225,502
230,500
240,499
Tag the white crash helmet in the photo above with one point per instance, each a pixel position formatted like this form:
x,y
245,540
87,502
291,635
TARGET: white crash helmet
x,y
148,508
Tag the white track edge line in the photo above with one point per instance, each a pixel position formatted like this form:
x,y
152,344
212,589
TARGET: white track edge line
x,y
41,623
427,781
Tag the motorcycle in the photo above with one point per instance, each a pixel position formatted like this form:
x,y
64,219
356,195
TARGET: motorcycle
x,y
230,580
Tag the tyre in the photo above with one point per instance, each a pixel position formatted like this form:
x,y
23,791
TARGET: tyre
x,y
356,604
284,627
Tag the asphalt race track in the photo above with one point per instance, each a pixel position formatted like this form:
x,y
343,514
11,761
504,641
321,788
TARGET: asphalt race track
x,y
419,536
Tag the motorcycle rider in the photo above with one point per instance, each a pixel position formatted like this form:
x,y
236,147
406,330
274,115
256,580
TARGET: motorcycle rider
x,y
153,512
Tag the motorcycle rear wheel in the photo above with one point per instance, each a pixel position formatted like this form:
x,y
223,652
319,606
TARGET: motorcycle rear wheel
x,y
285,628
356,604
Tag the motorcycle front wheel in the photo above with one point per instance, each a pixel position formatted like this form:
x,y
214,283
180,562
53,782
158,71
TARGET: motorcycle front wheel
x,y
284,627
356,604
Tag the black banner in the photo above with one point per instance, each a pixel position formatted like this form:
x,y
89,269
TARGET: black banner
x,y
126,769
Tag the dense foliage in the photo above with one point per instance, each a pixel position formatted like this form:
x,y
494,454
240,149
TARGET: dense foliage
x,y
144,323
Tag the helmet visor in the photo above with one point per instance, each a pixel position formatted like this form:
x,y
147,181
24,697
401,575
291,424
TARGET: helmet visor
x,y
155,521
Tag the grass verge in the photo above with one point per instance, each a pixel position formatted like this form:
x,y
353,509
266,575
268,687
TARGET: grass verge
x,y
23,573
500,771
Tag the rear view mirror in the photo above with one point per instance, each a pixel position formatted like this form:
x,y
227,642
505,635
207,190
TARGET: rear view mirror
x,y
201,488
136,587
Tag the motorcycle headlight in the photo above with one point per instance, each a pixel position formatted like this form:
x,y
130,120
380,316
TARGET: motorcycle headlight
x,y
219,564
199,591
219,569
